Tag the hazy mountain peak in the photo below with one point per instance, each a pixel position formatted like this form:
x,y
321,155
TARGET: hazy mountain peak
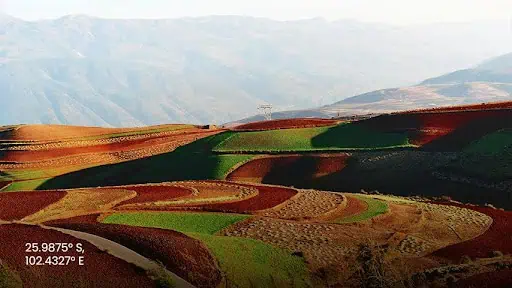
x,y
89,71
501,64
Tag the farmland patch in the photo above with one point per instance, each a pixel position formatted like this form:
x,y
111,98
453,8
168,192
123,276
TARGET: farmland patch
x,y
205,223
17,205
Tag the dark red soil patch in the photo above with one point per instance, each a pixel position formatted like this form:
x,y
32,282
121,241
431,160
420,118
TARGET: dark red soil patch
x,y
354,206
185,256
37,155
289,170
497,238
18,205
496,105
152,193
448,130
4,184
268,197
90,219
100,270
287,124
497,279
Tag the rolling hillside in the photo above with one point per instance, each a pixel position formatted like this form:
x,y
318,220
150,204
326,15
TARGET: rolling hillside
x,y
490,81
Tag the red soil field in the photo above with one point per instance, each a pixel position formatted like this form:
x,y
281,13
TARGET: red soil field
x,y
185,256
90,219
4,184
497,238
17,205
37,155
60,132
268,197
100,270
497,279
152,193
496,105
455,128
354,206
288,169
286,124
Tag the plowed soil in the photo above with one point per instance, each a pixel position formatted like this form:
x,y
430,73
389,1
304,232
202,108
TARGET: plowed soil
x,y
268,197
497,279
287,124
185,256
497,238
18,205
89,219
38,155
308,204
288,169
354,207
100,270
152,193
81,202
53,132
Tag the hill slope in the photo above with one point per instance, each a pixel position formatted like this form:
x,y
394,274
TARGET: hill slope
x,y
88,71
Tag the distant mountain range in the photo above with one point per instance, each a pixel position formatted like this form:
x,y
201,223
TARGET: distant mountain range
x,y
89,71
490,81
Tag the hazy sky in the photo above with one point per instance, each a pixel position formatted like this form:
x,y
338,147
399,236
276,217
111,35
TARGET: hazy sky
x,y
389,11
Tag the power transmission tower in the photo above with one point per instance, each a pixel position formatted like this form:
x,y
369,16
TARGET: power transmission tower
x,y
266,110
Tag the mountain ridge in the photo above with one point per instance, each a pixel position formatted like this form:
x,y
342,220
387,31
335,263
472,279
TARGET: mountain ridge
x,y
210,69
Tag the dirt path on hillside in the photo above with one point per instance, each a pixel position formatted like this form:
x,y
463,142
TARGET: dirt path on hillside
x,y
123,253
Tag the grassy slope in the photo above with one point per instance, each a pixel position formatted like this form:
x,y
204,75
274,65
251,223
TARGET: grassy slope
x,y
190,162
25,185
375,207
340,137
203,223
489,157
263,265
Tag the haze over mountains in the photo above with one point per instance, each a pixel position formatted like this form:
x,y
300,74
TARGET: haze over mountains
x,y
89,71
490,81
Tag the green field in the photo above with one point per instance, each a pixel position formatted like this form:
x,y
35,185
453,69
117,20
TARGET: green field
x,y
488,158
194,161
263,264
203,223
252,263
375,207
492,144
26,185
340,137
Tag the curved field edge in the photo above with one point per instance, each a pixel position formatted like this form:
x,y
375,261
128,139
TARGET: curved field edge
x,y
75,133
331,138
204,223
18,205
495,238
173,251
375,207
115,271
264,265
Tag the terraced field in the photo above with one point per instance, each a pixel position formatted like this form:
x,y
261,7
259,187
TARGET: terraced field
x,y
354,137
373,208
283,203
